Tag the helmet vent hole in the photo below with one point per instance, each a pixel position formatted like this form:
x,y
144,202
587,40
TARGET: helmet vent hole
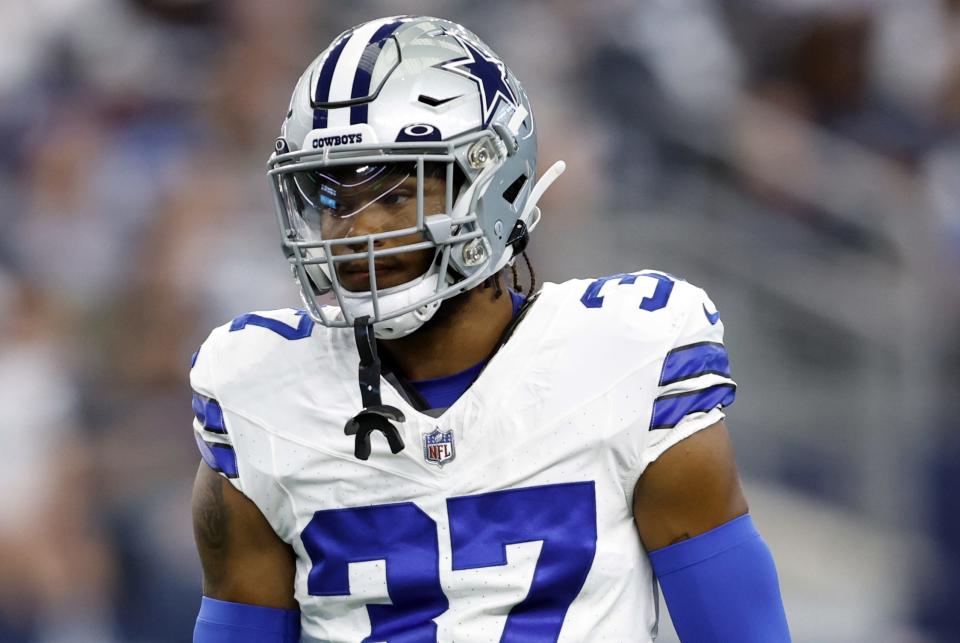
x,y
513,191
433,101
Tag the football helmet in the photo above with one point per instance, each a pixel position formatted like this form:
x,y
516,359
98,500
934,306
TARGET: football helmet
x,y
416,123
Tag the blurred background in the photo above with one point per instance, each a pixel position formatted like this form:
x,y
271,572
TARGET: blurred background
x,y
800,159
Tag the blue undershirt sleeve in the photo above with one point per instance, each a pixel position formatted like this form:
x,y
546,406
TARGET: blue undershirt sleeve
x,y
722,586
225,622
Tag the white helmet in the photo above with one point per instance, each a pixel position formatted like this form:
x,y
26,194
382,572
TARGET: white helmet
x,y
390,100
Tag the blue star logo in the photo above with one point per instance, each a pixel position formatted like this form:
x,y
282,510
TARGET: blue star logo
x,y
488,73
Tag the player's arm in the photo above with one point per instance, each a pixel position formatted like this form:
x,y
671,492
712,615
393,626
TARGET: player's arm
x,y
690,489
248,572
717,575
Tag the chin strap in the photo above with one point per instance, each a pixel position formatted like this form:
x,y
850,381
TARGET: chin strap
x,y
375,415
531,214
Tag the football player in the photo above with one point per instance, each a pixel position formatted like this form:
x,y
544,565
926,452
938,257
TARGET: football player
x,y
423,455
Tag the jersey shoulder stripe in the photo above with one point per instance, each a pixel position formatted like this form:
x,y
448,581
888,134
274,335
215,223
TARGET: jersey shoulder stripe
x,y
208,413
669,410
219,456
694,360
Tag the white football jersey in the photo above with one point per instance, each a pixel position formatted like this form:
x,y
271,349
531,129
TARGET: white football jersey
x,y
508,517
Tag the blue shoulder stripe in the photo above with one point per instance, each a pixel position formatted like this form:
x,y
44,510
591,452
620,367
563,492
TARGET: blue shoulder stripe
x,y
209,413
668,410
694,360
219,457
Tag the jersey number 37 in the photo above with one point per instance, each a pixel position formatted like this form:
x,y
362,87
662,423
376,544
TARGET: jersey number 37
x,y
562,516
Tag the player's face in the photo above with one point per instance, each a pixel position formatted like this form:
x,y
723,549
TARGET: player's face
x,y
354,201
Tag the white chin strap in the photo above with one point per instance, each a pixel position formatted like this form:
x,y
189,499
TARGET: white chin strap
x,y
531,213
361,303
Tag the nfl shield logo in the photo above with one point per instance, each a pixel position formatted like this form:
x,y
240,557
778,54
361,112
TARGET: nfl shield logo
x,y
438,447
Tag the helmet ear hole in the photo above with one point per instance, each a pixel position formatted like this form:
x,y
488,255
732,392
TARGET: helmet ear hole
x,y
513,190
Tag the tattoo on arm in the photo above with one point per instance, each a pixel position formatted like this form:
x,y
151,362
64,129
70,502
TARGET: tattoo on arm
x,y
211,523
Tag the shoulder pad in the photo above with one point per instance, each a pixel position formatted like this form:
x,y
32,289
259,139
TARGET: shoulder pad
x,y
258,343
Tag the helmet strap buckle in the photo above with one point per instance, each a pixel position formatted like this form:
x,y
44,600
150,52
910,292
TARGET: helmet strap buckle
x,y
519,237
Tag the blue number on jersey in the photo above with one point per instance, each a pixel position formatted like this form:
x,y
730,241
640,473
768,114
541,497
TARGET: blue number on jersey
x,y
402,536
593,299
301,330
562,516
